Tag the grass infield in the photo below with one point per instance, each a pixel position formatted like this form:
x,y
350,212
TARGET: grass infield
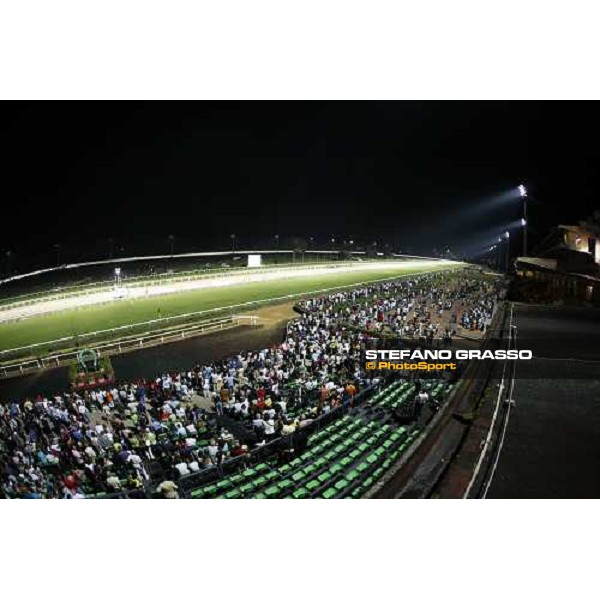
x,y
124,312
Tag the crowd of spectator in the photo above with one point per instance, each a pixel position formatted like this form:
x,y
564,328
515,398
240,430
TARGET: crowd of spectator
x,y
103,441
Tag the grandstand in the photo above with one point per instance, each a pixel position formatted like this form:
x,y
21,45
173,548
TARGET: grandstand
x,y
344,459
302,419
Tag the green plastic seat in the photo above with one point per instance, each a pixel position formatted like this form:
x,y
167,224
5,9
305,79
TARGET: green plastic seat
x,y
364,466
272,491
271,475
312,485
355,454
372,458
210,490
233,494
358,492
247,488
285,484
353,475
261,467
342,484
285,469
260,481
299,476
300,493
336,468
330,493
259,496
325,476
310,469
346,461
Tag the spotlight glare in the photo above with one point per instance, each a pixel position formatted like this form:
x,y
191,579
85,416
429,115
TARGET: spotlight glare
x,y
522,191
523,222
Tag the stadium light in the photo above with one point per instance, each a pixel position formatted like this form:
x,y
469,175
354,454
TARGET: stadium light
x,y
523,192
507,251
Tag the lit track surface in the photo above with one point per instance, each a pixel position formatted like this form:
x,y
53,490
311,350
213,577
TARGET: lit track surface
x,y
141,292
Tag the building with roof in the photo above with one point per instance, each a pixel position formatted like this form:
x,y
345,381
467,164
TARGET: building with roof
x,y
566,265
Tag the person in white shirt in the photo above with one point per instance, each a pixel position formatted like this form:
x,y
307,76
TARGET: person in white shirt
x,y
168,489
182,468
269,428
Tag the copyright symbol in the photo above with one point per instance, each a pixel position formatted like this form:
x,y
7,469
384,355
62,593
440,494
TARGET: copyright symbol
x,y
370,366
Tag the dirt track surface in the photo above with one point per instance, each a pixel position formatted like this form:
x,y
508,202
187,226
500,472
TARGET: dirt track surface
x,y
151,362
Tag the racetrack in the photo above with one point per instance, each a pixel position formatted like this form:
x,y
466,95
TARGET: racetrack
x,y
69,317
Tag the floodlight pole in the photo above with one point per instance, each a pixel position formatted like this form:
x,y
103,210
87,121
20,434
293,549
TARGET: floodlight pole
x,y
525,226
523,192
507,255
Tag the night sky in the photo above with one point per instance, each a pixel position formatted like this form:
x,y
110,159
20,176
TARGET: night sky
x,y
408,174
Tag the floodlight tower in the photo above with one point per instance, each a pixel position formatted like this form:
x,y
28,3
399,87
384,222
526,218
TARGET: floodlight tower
x,y
117,277
523,192
507,255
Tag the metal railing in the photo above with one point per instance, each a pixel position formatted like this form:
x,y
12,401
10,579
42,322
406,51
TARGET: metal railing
x,y
127,344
